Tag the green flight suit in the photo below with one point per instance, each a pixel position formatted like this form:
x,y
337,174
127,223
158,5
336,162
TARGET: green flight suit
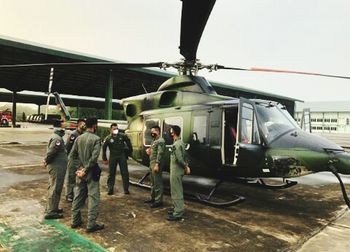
x,y
177,165
117,155
87,149
157,156
72,166
56,159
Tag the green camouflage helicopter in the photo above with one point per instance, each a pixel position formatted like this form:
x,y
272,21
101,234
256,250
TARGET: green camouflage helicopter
x,y
227,138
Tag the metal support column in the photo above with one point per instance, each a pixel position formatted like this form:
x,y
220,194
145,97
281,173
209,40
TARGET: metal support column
x,y
14,108
109,97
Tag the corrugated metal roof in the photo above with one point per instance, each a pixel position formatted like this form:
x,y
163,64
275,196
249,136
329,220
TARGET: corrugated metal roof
x,y
325,106
92,82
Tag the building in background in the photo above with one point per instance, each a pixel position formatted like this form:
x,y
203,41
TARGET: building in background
x,y
326,117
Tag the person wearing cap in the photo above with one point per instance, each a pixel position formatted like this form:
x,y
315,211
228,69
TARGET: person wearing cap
x,y
87,149
56,163
156,158
178,168
72,164
117,143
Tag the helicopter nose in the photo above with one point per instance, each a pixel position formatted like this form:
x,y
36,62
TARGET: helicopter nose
x,y
341,162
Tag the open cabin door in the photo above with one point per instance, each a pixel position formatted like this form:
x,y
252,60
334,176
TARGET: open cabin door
x,y
248,148
229,134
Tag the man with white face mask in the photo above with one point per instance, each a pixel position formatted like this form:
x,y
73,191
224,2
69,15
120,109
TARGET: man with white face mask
x,y
116,142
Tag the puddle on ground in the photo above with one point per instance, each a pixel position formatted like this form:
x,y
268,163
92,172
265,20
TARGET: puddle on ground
x,y
8,178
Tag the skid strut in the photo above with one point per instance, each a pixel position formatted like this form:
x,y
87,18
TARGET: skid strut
x,y
140,181
285,184
208,201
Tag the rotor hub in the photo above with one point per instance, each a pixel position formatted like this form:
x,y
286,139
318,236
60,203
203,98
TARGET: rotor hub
x,y
189,67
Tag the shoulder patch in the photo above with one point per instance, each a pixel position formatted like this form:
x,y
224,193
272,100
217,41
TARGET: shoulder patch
x,y
58,143
72,137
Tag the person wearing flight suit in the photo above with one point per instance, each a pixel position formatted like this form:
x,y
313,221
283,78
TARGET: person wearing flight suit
x,y
72,164
87,149
156,157
178,168
56,163
117,142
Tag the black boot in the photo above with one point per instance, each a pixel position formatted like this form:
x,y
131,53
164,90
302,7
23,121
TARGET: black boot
x,y
95,228
110,192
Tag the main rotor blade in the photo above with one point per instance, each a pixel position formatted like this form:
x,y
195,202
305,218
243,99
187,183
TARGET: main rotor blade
x,y
99,65
256,69
195,14
52,71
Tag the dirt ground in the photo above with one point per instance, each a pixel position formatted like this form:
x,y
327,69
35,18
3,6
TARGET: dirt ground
x,y
266,221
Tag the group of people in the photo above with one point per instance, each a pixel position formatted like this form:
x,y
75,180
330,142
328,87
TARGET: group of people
x,y
178,168
76,161
84,150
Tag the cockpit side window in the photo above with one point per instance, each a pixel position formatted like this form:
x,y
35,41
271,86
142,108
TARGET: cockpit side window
x,y
274,121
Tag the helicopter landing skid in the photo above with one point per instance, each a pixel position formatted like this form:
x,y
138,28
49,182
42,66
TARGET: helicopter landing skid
x,y
261,183
140,181
207,199
285,184
197,197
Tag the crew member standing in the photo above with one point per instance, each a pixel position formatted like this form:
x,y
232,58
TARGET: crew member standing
x,y
178,167
87,148
117,142
72,163
56,163
156,157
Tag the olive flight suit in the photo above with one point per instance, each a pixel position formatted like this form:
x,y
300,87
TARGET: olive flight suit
x,y
87,149
117,155
177,170
157,156
72,166
56,159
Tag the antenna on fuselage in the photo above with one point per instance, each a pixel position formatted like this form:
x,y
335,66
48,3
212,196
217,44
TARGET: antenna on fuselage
x,y
49,91
144,88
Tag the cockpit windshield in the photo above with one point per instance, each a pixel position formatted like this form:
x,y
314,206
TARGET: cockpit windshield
x,y
274,120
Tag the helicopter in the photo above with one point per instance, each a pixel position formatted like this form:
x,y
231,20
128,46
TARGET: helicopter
x,y
228,139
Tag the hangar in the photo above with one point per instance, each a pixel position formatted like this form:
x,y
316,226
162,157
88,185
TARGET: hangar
x,y
108,83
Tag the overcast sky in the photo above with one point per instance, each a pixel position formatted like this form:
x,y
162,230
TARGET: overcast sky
x,y
304,35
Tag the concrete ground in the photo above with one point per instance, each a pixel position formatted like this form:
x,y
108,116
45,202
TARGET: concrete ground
x,y
310,216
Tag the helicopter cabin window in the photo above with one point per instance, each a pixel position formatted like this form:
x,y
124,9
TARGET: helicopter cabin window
x,y
147,138
167,124
249,128
200,129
